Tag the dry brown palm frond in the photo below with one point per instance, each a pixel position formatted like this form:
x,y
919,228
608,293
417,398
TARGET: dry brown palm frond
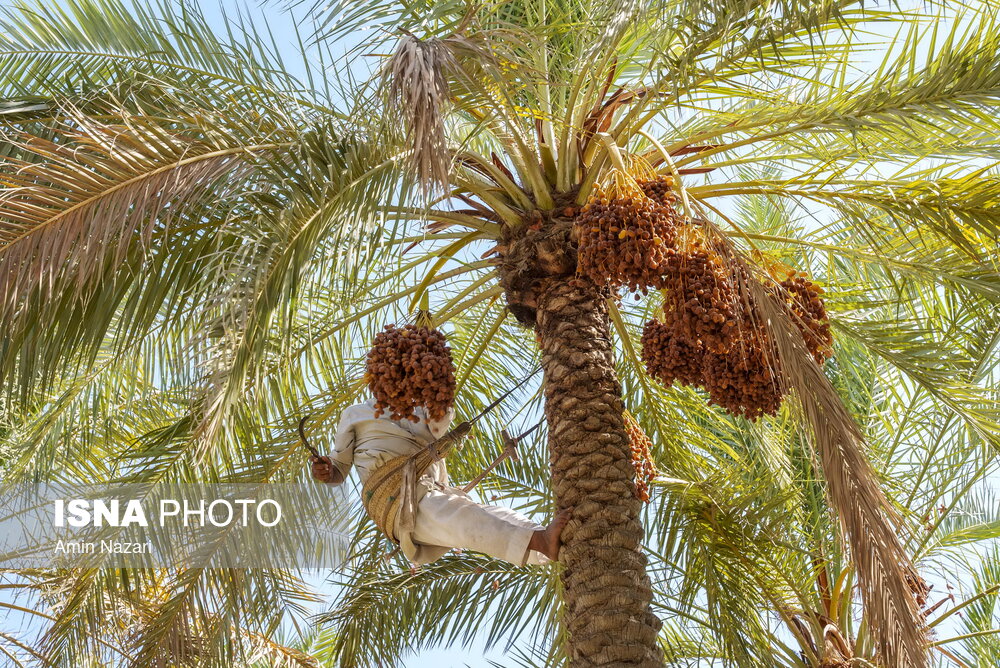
x,y
502,167
424,77
71,202
853,489
417,89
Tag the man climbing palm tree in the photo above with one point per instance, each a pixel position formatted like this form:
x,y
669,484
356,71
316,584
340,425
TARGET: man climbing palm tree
x,y
445,516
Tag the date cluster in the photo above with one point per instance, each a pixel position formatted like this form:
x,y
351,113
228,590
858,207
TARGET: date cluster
x,y
410,366
634,237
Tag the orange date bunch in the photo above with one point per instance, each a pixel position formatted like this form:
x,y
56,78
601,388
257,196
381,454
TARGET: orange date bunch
x,y
742,380
642,457
708,336
624,236
745,380
631,235
669,355
660,189
699,289
411,366
810,316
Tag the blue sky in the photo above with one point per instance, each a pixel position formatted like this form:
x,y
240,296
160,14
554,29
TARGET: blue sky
x,y
281,26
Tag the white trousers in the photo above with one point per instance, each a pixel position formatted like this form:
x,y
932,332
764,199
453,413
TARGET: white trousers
x,y
447,518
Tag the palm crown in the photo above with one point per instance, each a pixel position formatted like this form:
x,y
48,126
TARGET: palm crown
x,y
196,247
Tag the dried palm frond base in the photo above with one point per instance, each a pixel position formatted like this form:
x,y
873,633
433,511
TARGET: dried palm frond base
x,y
543,247
411,366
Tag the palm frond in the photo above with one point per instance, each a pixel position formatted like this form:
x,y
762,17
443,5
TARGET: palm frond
x,y
91,194
854,492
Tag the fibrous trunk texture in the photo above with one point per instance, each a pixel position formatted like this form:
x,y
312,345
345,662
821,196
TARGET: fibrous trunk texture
x,y
607,591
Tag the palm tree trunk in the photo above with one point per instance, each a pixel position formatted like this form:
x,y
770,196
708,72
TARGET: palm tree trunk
x,y
607,591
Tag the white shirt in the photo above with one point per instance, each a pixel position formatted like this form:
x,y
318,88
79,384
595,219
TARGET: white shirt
x,y
367,442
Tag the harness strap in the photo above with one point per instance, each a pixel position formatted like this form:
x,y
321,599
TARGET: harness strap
x,y
408,502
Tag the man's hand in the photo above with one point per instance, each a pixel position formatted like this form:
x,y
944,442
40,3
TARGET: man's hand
x,y
323,470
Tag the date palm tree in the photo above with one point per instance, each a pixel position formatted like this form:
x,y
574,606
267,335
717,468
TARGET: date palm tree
x,y
198,242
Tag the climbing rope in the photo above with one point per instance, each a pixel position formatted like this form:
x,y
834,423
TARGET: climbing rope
x,y
509,451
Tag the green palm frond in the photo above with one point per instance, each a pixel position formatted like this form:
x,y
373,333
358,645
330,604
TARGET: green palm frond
x,y
96,189
256,228
81,47
452,600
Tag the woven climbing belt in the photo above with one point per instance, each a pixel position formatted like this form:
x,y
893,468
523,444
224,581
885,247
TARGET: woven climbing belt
x,y
382,494
383,491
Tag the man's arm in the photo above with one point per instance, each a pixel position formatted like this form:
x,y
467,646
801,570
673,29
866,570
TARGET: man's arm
x,y
334,468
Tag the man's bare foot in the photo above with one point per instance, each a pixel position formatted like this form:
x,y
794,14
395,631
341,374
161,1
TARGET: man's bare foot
x,y
546,540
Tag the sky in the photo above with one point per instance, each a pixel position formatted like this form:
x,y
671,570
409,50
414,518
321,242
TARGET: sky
x,y
281,25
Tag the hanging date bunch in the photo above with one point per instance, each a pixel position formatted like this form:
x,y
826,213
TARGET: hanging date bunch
x,y
745,380
660,189
642,457
700,293
669,355
707,336
411,366
624,235
809,311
